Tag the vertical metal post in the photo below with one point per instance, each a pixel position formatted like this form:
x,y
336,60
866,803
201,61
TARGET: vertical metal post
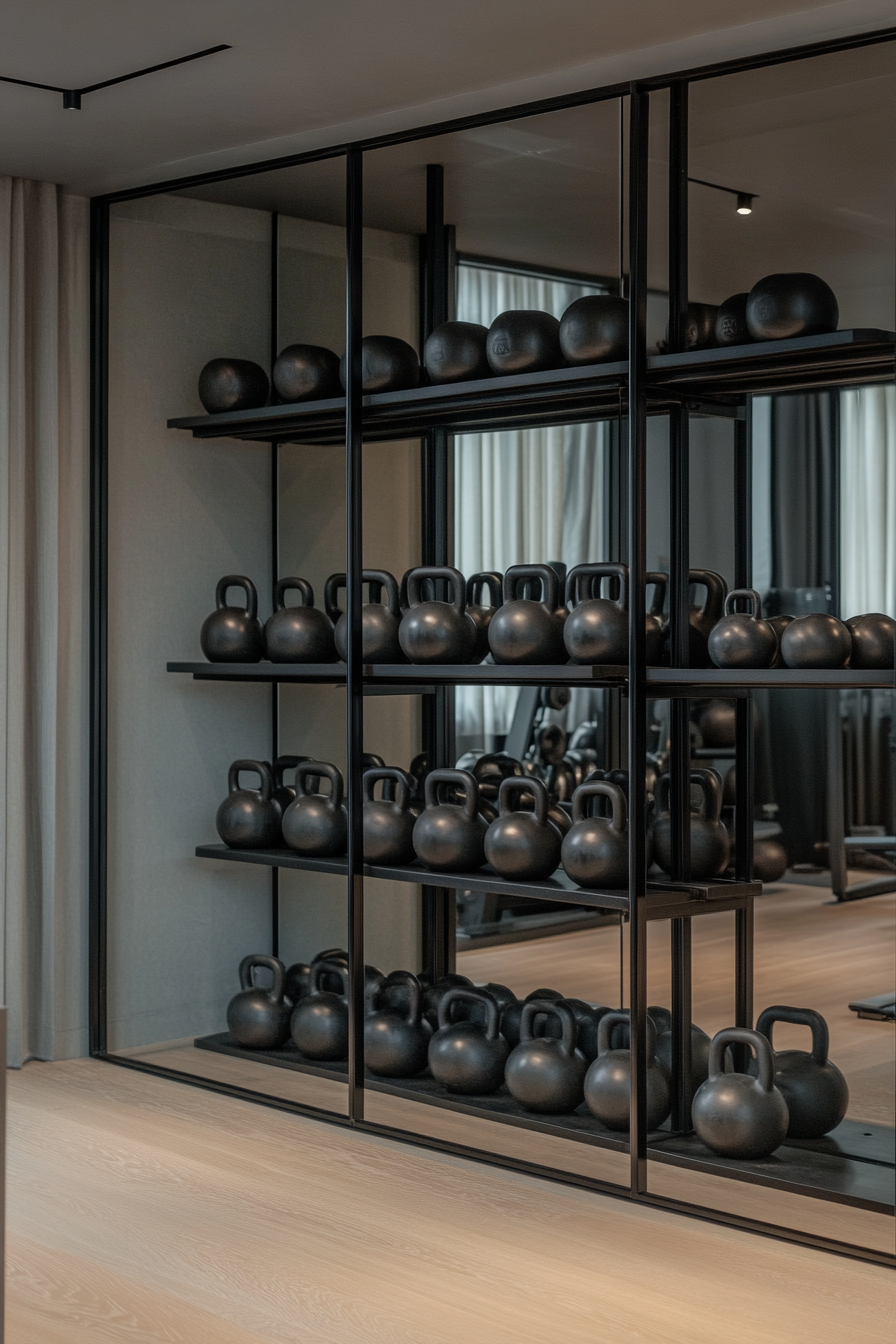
x,y
836,805
744,741
354,208
637,699
275,548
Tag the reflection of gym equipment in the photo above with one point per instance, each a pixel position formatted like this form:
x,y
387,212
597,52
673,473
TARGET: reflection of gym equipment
x,y
852,727
879,1008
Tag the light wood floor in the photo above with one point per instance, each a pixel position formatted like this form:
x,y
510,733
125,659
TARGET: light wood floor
x,y
141,1210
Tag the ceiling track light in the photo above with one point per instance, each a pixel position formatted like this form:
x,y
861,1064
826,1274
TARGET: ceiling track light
x,y
71,98
745,199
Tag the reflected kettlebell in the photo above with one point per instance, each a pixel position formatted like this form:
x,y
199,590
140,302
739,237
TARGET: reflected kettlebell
x,y
388,824
233,634
468,1056
544,1074
731,321
455,352
306,373
595,328
313,824
596,629
379,622
710,846
595,849
655,622
779,624
816,640
872,638
789,304
700,1043
480,615
434,993
232,385
702,619
432,631
319,1022
511,1016
450,837
522,846
743,638
717,722
609,1079
814,1089
258,1019
735,1114
298,634
388,364
395,1044
522,630
249,818
523,340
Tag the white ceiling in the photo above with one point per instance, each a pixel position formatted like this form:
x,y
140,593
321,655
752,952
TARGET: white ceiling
x,y
306,72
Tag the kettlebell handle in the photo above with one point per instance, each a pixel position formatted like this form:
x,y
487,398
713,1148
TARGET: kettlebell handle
x,y
452,577
708,782
595,573
317,770
415,994
521,784
321,968
601,788
453,996
622,1015
462,779
660,583
282,764
532,1008
237,581
272,964
370,576
260,768
802,1017
550,584
716,590
748,595
284,586
492,580
403,786
759,1044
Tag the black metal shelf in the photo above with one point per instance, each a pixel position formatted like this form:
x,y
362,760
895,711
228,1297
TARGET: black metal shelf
x,y
665,900
665,681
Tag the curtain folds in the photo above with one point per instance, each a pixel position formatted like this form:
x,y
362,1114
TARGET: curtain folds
x,y
43,617
868,500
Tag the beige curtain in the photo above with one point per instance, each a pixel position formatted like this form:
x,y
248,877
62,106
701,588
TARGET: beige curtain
x,y
868,500
43,617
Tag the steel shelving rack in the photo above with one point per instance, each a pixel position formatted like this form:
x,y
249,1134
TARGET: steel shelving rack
x,y
675,385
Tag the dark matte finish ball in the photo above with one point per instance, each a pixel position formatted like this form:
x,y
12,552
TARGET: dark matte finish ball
x,y
873,638
388,364
594,328
700,326
306,373
232,385
794,303
731,321
524,340
816,640
455,351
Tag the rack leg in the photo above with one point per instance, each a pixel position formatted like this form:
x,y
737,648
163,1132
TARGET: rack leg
x,y
681,1024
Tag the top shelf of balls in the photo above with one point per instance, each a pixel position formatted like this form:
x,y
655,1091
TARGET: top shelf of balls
x,y
519,619
592,330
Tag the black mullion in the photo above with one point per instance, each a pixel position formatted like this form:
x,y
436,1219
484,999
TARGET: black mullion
x,y
743,742
275,545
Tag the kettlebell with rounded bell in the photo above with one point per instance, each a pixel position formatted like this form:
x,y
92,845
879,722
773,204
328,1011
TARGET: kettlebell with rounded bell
x,y
702,619
793,303
284,793
306,373
249,818
319,1023
450,837
816,640
437,632
233,634
434,993
731,321
655,622
388,823
379,622
298,634
710,846
388,364
595,849
395,1044
596,629
232,385
872,638
735,1114
523,340
544,1074
522,845
595,328
779,624
480,615
455,351
315,825
814,1089
258,1019
511,1016
609,1079
743,638
522,630
467,1056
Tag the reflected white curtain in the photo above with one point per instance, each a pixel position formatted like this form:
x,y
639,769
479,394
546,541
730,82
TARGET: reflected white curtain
x,y
521,496
868,500
43,617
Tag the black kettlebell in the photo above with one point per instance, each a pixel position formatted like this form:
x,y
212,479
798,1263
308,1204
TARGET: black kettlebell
x,y
700,1043
595,850
717,722
523,340
779,624
872,638
455,351
710,846
306,373
701,619
379,622
258,1019
388,364
315,825
522,845
655,621
395,1044
298,634
284,793
731,322
297,983
475,1012
609,1079
468,1056
337,956
232,385
233,634
522,630
437,632
699,326
319,1023
249,818
792,303
545,1074
434,993
450,837
596,629
814,1089
594,328
482,616
388,823
511,1016
770,859
736,1114
743,638
816,640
